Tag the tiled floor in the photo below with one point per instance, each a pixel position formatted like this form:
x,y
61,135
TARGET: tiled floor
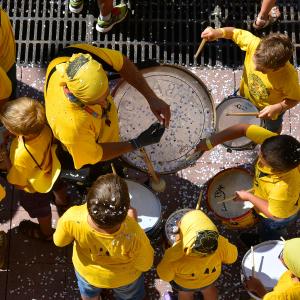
x,y
37,270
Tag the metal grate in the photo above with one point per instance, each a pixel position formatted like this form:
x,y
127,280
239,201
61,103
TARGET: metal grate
x,y
167,31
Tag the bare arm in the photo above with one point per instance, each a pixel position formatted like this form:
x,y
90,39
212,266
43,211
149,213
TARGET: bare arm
x,y
228,134
113,150
272,111
266,6
134,77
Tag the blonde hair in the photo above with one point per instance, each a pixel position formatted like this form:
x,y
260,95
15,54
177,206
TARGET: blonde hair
x,y
23,116
274,51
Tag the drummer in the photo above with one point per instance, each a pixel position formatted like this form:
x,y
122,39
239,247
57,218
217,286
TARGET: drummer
x,y
80,109
269,80
288,286
276,196
194,262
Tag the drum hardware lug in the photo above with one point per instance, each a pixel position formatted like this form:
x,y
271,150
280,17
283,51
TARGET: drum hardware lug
x,y
229,150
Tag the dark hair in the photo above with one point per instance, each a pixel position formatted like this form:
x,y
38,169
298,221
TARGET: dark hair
x,y
281,152
108,200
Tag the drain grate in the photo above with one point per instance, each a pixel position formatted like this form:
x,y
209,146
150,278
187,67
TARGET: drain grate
x,y
167,31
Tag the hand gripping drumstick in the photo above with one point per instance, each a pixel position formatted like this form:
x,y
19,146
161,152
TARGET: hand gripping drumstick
x,y
243,114
233,197
156,183
200,47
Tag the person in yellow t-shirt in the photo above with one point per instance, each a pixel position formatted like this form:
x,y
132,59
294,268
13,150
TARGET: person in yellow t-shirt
x,y
195,261
32,164
288,286
276,196
111,250
80,109
269,80
8,81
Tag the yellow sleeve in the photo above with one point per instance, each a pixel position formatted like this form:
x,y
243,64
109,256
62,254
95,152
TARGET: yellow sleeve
x,y
227,250
62,235
2,192
291,87
112,57
5,85
18,175
143,258
258,134
85,150
245,39
278,296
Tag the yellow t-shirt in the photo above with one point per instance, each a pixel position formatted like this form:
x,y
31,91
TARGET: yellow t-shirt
x,y
2,193
7,54
281,190
286,289
264,89
25,172
104,260
79,131
193,271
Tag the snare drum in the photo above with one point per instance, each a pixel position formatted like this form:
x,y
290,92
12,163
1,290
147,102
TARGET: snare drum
x,y
192,117
171,224
148,207
268,267
236,104
233,214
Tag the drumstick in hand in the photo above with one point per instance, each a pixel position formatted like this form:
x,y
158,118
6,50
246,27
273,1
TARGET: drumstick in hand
x,y
199,200
253,262
200,47
113,169
233,197
157,184
243,114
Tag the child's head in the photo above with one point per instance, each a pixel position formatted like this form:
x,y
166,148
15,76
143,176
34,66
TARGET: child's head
x,y
108,201
273,52
281,152
198,233
23,116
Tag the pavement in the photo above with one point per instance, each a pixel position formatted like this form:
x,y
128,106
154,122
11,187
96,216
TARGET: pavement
x,y
39,270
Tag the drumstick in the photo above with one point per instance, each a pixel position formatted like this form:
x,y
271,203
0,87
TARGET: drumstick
x,y
243,114
199,200
253,262
158,184
200,47
233,197
113,169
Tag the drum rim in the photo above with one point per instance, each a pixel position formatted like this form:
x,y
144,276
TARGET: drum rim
x,y
169,217
159,219
214,113
245,147
209,188
243,273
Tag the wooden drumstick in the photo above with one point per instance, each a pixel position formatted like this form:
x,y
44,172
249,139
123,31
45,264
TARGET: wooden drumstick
x,y
243,114
253,262
157,184
113,169
233,197
200,47
199,200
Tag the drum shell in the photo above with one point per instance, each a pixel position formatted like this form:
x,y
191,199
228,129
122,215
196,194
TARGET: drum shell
x,y
139,195
243,221
178,157
229,105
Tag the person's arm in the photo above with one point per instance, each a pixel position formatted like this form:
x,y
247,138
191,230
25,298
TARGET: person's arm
x,y
113,150
134,77
61,236
212,34
230,133
266,6
254,285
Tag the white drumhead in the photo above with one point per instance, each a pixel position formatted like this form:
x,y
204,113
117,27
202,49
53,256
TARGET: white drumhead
x,y
146,203
235,105
224,185
171,223
192,111
268,267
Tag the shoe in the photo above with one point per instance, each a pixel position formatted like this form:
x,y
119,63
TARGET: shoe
x,y
273,16
75,6
250,239
118,14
